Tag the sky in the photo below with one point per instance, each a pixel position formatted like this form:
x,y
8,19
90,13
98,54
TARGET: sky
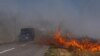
x,y
78,16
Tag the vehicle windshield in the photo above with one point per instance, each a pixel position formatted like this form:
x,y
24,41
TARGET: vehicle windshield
x,y
49,27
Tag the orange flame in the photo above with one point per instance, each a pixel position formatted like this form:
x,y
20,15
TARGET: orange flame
x,y
85,45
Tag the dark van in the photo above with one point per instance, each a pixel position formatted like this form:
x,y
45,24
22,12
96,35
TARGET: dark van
x,y
26,34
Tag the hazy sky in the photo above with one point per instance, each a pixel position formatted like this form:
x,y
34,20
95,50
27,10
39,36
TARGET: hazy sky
x,y
79,16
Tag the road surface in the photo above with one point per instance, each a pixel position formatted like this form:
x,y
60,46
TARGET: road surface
x,y
25,49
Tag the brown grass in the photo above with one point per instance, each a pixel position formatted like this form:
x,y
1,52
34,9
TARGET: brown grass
x,y
54,51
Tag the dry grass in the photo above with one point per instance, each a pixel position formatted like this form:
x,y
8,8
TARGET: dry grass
x,y
53,51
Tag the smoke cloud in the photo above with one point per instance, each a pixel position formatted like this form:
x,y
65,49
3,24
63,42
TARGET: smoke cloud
x,y
80,17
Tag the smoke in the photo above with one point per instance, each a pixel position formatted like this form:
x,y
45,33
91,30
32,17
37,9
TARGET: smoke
x,y
80,17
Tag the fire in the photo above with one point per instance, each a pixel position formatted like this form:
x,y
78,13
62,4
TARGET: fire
x,y
81,45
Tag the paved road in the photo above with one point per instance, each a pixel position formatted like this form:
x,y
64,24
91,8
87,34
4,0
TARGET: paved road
x,y
25,49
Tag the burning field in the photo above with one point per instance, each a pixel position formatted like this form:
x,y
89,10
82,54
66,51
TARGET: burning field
x,y
54,51
66,46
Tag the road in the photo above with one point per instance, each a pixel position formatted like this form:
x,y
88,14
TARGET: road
x,y
24,49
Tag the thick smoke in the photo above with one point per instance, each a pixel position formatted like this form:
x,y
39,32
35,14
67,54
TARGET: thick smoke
x,y
80,17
